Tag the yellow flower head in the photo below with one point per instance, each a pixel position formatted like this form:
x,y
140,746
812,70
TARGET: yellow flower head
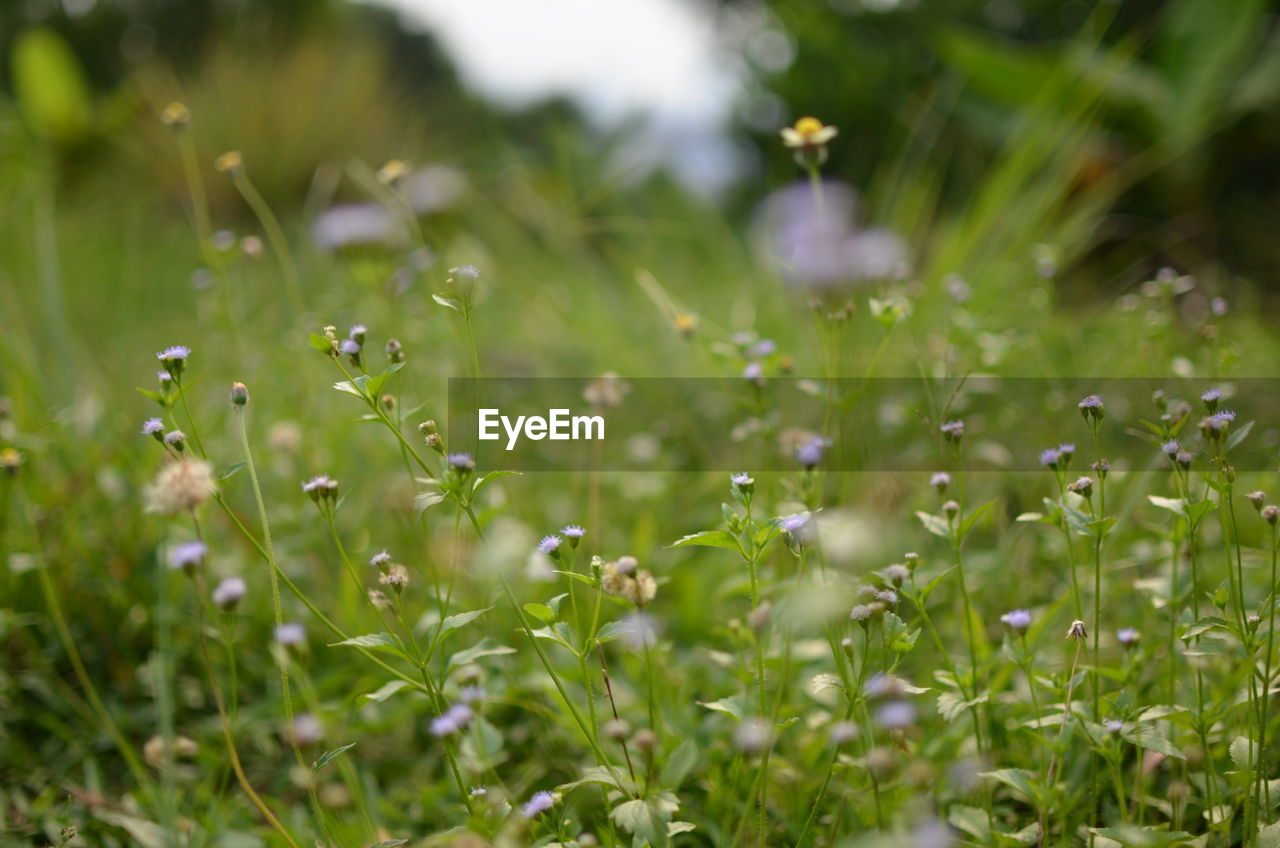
x,y
228,162
807,132
392,172
175,115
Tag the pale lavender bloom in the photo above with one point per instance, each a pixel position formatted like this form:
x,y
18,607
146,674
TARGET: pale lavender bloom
x,y
176,353
1212,396
152,427
1067,449
953,430
810,453
1018,620
228,593
796,524
1049,457
843,732
471,694
549,545
932,833
353,223
350,347
1114,725
753,735
290,633
471,272
1128,636
187,555
460,714
540,802
307,729
573,531
822,246
443,726
319,483
1224,415
1219,306
479,791
895,715
753,371
380,559
357,333
742,478
461,460
164,377
765,347
1091,402
175,438
1170,448
940,480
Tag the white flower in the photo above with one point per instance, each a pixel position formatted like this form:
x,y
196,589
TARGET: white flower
x,y
181,486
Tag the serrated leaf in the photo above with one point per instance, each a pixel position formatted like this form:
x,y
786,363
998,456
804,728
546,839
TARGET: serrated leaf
x,y
329,756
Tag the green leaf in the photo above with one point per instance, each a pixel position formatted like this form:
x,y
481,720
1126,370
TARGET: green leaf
x,y
423,501
581,578
1015,778
967,524
230,471
1243,753
612,630
329,756
933,584
489,477
153,395
1133,836
707,539
1147,736
391,843
935,524
679,763
542,612
971,820
447,302
677,827
371,640
50,85
386,690
558,633
353,387
1237,436
461,619
595,775
735,705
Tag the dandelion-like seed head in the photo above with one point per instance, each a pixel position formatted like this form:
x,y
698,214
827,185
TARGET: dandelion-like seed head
x,y
1077,630
181,486
228,593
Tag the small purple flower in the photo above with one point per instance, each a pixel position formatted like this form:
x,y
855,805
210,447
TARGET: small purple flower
x,y
461,461
187,555
953,430
549,545
381,559
810,453
940,480
479,791
1226,415
1210,399
175,438
753,371
1128,636
741,479
152,427
765,347
357,333
471,694
1049,457
1091,408
175,353
1170,448
573,531
351,347
896,715
1114,725
461,714
471,272
1017,620
795,524
1067,449
228,593
443,726
539,803
843,732
290,633
307,729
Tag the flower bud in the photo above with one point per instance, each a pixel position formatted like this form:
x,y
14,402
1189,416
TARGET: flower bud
x,y
239,394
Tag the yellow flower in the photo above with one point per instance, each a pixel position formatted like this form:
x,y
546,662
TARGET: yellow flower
x,y
175,115
807,132
228,162
392,172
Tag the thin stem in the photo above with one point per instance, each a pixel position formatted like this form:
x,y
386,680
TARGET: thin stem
x,y
275,234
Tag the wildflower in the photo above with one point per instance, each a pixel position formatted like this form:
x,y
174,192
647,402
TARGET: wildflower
x,y
810,453
471,694
797,526
896,573
896,715
1271,513
392,172
951,509
617,729
881,685
646,588
685,324
1210,400
743,482
307,729
1114,725
765,347
1257,498
187,556
573,533
1082,486
1128,636
290,634
754,372
1017,620
252,247
626,564
809,138
753,735
932,833
396,576
239,394
357,333
953,431
1183,460
1050,457
176,439
550,545
350,224
888,597
843,732
228,593
380,560
540,802
174,359
1066,450
351,348
229,162
940,481
175,116
395,351
1170,448
479,791
1076,630
321,487
1091,408
153,427
861,613
461,462
180,486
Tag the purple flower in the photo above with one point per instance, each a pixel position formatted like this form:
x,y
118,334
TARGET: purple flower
x,y
228,593
1128,636
765,347
953,430
1049,457
895,715
351,347
843,732
753,371
290,633
1211,398
795,523
471,694
177,438
1114,725
539,803
573,531
357,333
810,453
1091,402
187,555
1170,448
940,480
1067,449
152,427
380,559
549,545
176,353
307,729
1017,620
462,461
740,479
